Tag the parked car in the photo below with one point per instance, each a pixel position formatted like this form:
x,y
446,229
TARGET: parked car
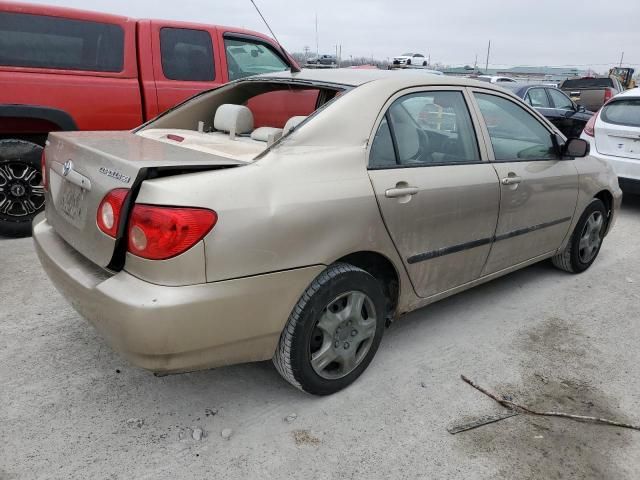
x,y
410,59
193,247
614,135
592,92
495,79
64,69
554,104
323,60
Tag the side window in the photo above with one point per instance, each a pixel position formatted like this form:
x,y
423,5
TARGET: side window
x,y
382,152
515,133
51,42
426,128
246,57
537,97
560,100
186,54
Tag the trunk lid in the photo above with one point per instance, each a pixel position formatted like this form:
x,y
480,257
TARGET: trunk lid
x,y
83,166
618,131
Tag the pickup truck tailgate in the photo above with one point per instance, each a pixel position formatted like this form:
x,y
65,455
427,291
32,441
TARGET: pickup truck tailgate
x,y
82,167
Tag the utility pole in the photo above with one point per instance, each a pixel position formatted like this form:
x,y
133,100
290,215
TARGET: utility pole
x,y
317,43
621,58
486,68
475,64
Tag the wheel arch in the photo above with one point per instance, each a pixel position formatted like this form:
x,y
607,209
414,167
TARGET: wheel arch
x,y
380,267
38,115
607,198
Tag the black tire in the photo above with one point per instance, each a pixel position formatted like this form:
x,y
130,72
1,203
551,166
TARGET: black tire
x,y
21,191
424,64
409,62
570,259
294,353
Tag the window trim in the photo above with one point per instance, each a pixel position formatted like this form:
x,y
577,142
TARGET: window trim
x,y
213,54
473,116
525,106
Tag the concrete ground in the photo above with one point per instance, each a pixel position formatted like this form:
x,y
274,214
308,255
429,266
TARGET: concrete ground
x,y
72,408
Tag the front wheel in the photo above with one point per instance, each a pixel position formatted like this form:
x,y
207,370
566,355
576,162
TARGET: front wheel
x,y
586,240
333,332
21,190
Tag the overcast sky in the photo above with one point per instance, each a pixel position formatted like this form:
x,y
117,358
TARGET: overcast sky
x,y
543,32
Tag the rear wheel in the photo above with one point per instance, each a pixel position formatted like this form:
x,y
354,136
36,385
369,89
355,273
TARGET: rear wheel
x,y
333,332
424,64
586,240
21,190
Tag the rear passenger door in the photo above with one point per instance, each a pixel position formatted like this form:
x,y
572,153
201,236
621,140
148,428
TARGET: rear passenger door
x,y
438,195
184,63
538,190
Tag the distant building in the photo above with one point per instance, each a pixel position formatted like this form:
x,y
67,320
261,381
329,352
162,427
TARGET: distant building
x,y
524,74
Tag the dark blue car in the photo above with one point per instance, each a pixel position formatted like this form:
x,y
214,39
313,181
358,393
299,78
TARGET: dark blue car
x,y
554,104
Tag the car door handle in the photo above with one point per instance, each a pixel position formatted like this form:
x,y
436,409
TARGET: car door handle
x,y
511,180
400,192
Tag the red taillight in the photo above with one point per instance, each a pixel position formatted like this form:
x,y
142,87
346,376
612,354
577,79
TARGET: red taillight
x,y
108,217
608,93
43,171
158,233
589,128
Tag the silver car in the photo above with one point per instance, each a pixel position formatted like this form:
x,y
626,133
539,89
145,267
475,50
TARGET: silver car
x,y
224,231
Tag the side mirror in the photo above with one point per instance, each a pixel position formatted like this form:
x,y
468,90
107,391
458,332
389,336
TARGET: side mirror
x,y
576,148
581,108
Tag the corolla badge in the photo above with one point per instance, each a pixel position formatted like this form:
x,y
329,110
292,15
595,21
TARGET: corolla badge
x,y
114,174
67,167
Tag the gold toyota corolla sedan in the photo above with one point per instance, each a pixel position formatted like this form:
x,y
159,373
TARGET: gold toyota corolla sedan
x,y
291,216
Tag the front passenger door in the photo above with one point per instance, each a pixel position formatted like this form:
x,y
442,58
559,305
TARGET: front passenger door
x,y
538,191
438,197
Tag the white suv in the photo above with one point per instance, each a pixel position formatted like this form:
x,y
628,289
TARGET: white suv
x,y
614,135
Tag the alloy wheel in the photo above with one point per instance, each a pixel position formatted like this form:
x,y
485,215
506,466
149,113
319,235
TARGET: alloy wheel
x,y
21,190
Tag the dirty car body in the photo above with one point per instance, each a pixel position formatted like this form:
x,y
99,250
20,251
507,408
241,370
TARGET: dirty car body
x,y
198,241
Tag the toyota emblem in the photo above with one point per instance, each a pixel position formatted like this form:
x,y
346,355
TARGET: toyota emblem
x,y
67,167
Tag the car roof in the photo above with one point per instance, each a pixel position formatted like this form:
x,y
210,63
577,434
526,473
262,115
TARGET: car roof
x,y
351,77
632,92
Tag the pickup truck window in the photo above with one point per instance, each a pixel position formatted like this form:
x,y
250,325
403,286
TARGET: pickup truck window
x,y
41,41
245,58
186,54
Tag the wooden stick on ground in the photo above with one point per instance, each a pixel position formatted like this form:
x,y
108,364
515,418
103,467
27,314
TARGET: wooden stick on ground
x,y
522,409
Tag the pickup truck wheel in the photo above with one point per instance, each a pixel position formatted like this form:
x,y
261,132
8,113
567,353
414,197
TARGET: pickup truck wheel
x,y
333,332
586,240
21,190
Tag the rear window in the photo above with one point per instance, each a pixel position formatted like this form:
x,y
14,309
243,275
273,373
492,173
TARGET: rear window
x,y
588,83
50,42
622,112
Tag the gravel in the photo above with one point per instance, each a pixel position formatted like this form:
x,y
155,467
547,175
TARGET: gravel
x,y
547,339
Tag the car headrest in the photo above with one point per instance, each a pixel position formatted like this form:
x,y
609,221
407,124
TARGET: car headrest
x,y
266,134
292,123
235,119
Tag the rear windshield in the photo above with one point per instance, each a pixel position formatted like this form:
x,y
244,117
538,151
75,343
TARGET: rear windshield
x,y
51,42
622,112
588,83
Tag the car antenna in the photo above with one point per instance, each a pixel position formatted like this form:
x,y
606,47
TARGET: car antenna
x,y
294,68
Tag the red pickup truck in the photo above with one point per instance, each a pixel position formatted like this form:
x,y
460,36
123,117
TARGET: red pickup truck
x,y
65,69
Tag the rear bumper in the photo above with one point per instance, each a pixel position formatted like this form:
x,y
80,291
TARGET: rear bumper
x,y
172,329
